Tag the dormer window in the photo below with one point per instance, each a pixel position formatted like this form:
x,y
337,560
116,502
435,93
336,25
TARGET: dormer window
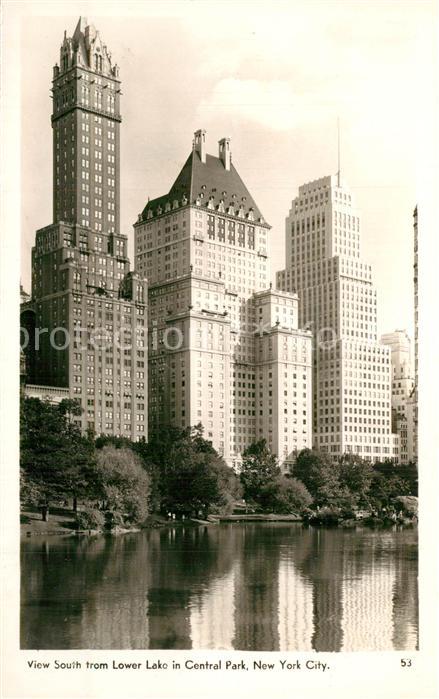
x,y
98,63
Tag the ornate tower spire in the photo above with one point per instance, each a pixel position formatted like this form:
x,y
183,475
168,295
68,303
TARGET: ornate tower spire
x,y
85,121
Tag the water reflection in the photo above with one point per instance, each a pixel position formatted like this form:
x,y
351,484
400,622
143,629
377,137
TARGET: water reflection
x,y
243,587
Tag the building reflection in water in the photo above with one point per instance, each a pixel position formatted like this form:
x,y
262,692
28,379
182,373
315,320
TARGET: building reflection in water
x,y
243,587
321,563
212,615
367,596
295,608
405,607
187,565
256,588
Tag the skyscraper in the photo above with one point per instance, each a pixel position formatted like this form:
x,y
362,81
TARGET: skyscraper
x,y
402,388
225,349
351,369
89,308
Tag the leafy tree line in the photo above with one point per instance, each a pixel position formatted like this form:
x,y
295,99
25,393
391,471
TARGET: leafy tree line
x,y
348,483
177,472
352,482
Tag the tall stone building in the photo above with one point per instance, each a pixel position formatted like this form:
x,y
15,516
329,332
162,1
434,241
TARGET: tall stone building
x,y
224,348
351,369
402,389
90,310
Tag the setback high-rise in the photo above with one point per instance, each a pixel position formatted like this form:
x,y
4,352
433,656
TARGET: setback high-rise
x,y
337,300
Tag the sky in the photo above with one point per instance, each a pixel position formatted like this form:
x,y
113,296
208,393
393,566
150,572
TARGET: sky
x,y
274,78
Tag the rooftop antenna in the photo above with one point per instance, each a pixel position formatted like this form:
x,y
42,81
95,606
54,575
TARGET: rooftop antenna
x,y
338,151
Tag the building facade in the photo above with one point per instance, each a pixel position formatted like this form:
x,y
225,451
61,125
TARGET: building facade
x,y
89,309
224,348
50,394
402,389
337,300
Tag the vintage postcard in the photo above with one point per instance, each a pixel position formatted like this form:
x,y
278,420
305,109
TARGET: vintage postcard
x,y
218,284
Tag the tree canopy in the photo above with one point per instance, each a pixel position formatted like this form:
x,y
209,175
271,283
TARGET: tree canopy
x,y
186,472
351,481
122,482
319,474
259,468
56,461
284,495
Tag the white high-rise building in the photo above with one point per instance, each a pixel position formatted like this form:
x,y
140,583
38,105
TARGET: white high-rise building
x,y
351,369
402,389
225,349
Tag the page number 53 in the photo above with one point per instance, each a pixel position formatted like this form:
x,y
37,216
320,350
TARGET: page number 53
x,y
406,662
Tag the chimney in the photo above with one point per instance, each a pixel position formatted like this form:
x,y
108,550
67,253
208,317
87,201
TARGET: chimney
x,y
200,144
224,152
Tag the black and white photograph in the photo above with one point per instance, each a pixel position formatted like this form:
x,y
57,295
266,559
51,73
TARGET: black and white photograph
x,y
217,212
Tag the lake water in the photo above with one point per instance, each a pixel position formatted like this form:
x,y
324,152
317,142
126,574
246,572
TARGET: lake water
x,y
253,586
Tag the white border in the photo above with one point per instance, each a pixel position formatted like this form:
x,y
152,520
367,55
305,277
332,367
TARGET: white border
x,y
357,674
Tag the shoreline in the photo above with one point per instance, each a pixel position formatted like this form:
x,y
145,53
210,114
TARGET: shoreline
x,y
61,523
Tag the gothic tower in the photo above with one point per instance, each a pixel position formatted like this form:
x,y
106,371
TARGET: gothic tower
x,y
89,307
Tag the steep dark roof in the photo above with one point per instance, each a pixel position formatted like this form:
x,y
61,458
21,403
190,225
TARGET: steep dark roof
x,y
210,184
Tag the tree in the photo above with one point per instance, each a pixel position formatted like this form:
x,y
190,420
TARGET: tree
x,y
229,486
199,442
189,485
320,476
118,442
284,495
187,475
161,449
259,468
123,482
407,474
356,475
56,460
386,487
70,408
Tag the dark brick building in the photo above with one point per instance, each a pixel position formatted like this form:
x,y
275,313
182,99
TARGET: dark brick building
x,y
90,309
